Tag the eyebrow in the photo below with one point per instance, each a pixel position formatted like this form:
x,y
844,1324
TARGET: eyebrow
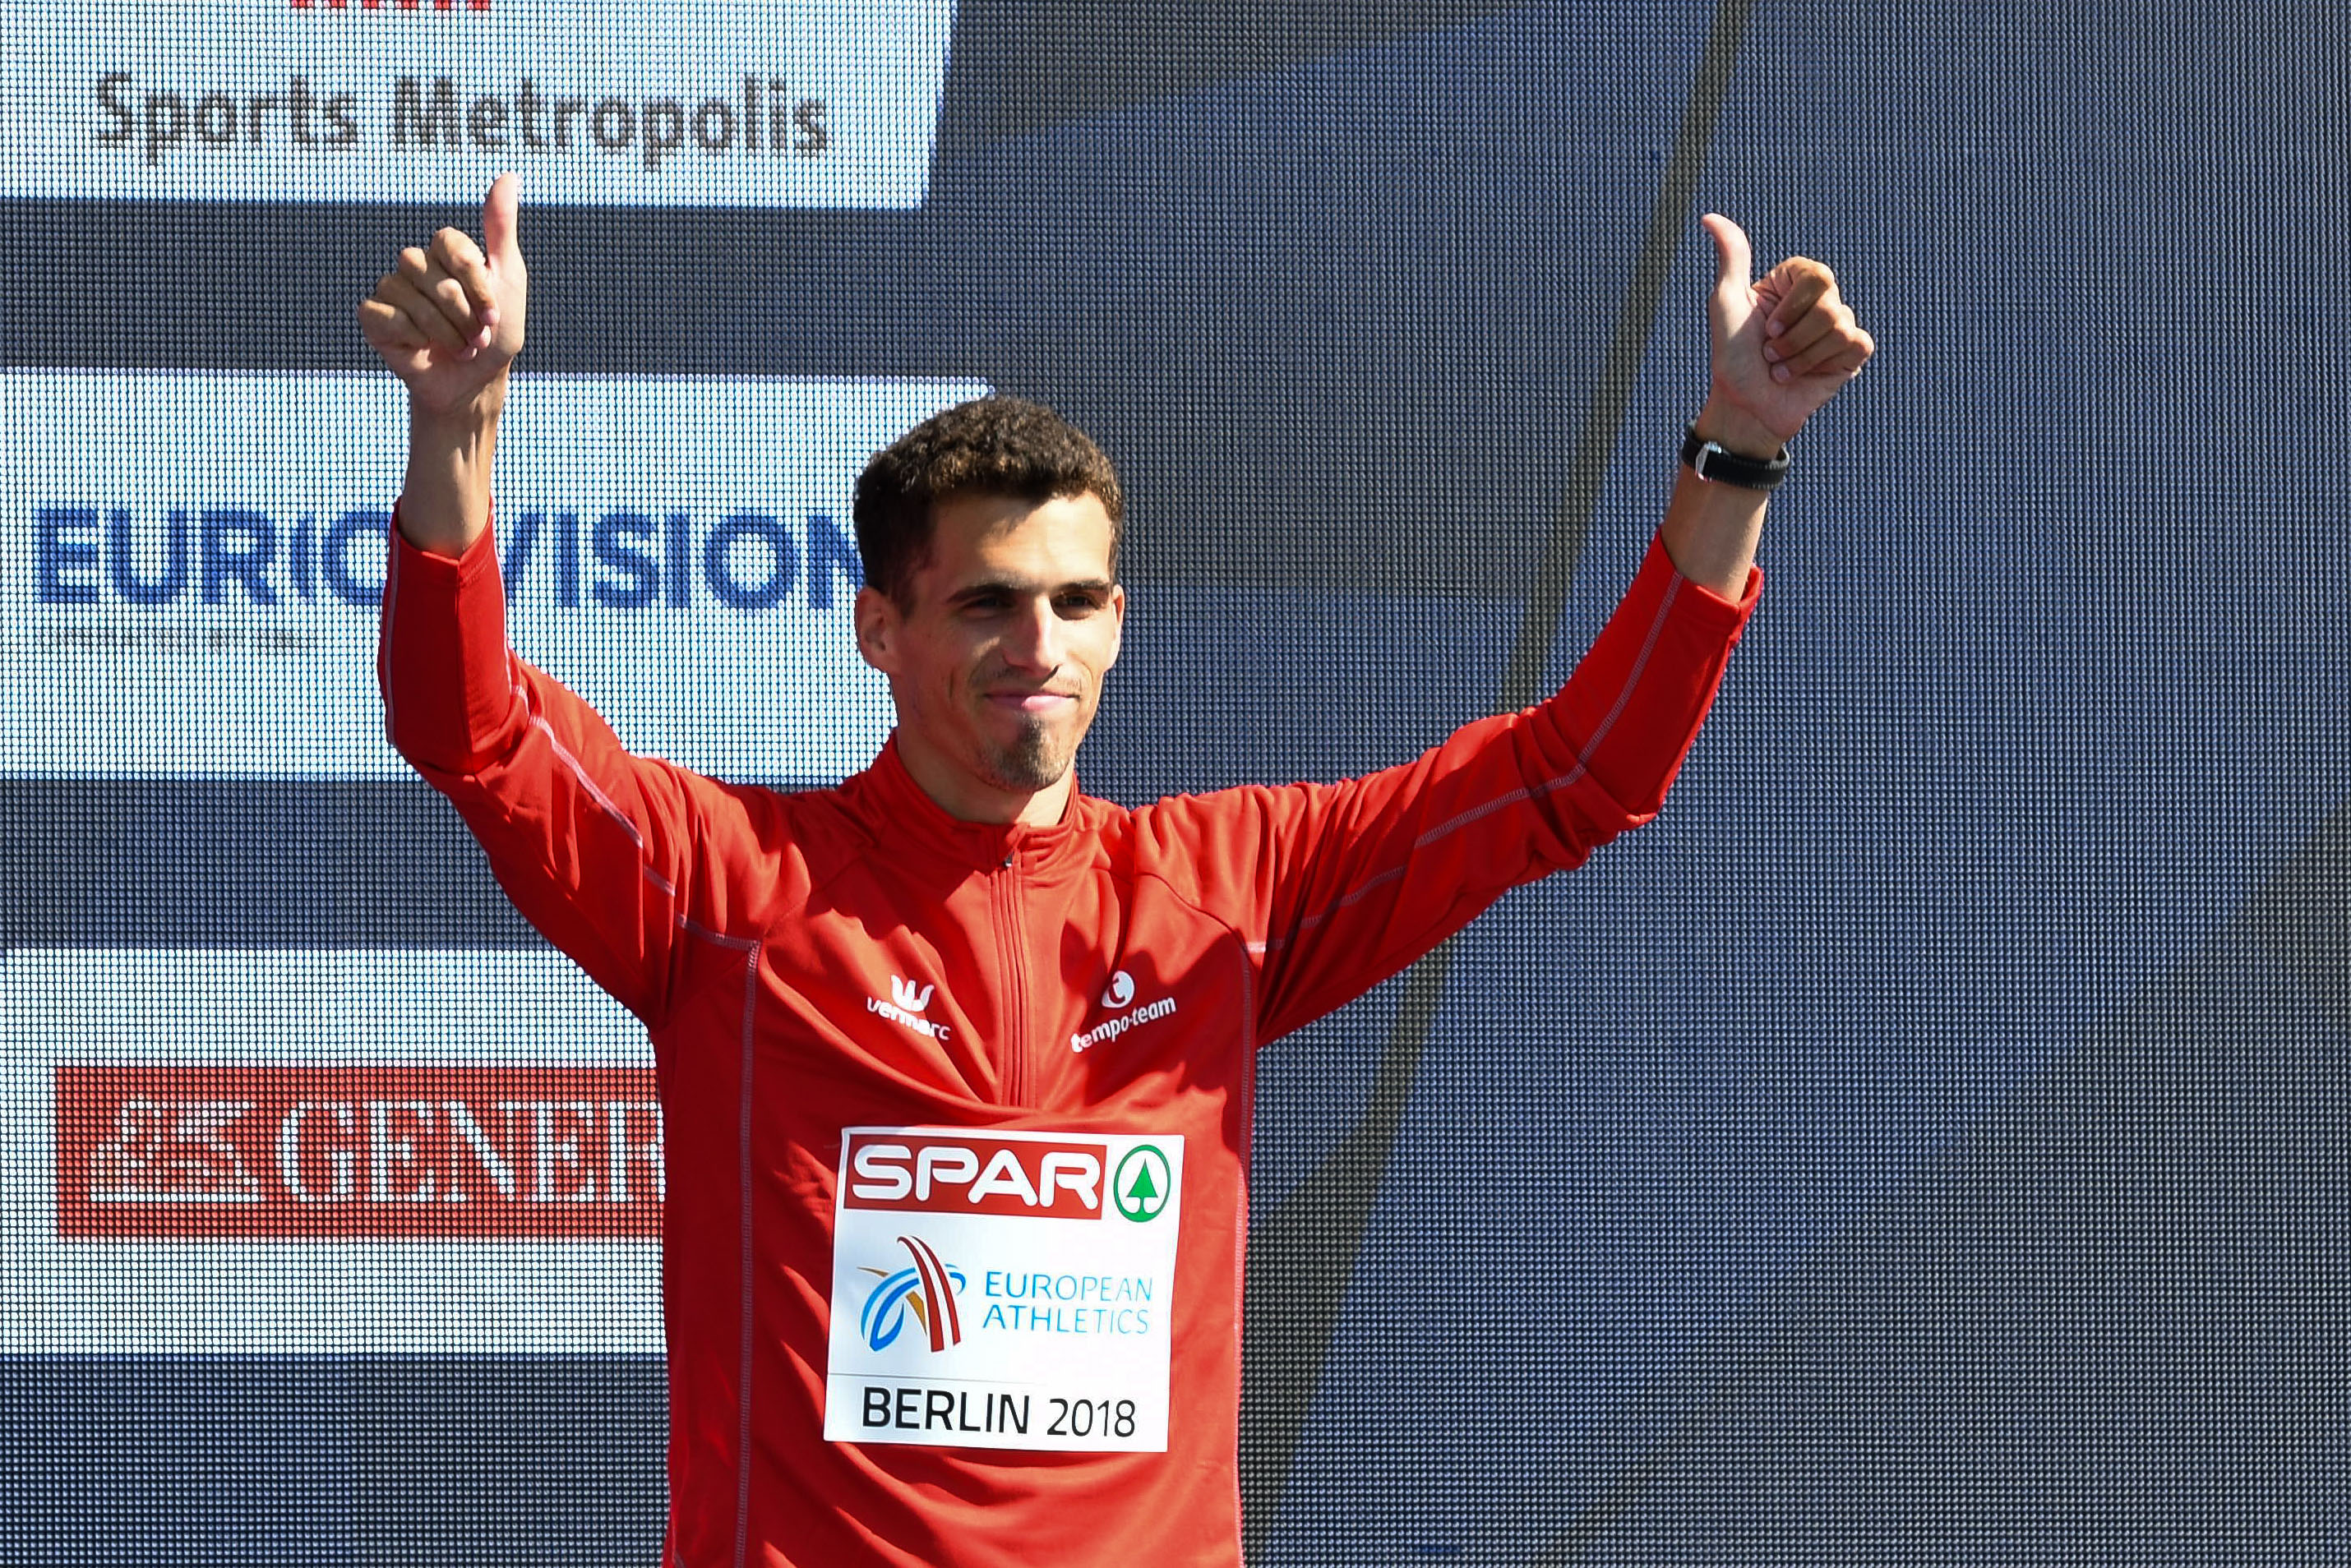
x,y
1016,587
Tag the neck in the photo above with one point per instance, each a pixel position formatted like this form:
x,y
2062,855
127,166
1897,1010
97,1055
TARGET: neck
x,y
969,798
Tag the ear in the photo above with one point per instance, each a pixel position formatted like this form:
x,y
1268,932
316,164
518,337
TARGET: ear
x,y
1118,620
878,625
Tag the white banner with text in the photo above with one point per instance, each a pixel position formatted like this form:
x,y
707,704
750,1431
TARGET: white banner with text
x,y
320,1153
191,565
755,103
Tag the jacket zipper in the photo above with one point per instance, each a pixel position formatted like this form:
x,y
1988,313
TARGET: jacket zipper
x,y
1012,943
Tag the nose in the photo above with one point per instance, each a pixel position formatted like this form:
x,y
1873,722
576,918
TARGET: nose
x,y
1033,638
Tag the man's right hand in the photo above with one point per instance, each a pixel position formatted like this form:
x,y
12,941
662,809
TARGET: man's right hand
x,y
449,320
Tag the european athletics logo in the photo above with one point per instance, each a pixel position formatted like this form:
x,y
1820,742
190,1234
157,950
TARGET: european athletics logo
x,y
927,1289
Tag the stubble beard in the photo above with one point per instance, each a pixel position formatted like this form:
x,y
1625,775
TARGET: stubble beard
x,y
1036,760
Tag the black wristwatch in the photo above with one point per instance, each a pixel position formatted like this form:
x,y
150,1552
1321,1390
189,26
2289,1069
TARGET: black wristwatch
x,y
1710,462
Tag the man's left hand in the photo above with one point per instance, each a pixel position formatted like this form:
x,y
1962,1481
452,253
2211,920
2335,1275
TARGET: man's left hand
x,y
1782,346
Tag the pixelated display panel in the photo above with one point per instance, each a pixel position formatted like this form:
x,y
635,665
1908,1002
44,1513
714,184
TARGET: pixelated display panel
x,y
1924,1143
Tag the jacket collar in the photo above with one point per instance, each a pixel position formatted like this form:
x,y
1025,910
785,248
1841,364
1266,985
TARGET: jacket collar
x,y
903,814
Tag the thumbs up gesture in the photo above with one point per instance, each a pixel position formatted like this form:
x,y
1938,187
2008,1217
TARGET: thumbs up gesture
x,y
449,320
1782,344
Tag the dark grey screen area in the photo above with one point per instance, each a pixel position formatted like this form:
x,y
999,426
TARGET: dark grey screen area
x,y
1925,1143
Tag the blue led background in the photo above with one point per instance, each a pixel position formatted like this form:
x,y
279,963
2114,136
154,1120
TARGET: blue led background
x,y
1925,1143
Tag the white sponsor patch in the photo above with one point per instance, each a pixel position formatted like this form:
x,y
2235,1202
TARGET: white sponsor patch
x,y
745,103
190,564
1004,1290
323,1153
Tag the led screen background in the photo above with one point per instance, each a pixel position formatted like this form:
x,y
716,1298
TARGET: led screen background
x,y
1925,1143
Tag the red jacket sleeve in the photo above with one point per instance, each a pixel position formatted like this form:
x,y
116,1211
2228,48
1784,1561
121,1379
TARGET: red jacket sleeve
x,y
1337,887
613,857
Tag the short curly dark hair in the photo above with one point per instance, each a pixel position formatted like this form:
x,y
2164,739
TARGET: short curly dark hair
x,y
989,446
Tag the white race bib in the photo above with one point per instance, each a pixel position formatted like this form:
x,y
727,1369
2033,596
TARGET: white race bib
x,y
1003,1290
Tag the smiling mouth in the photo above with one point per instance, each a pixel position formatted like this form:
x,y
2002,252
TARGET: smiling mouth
x,y
1032,702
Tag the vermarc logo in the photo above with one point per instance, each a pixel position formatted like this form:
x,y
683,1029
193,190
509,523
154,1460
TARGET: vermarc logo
x,y
908,1000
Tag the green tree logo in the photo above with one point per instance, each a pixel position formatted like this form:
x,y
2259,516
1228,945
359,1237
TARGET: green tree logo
x,y
1143,1183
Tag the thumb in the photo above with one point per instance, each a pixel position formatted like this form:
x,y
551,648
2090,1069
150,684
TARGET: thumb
x,y
1730,241
500,215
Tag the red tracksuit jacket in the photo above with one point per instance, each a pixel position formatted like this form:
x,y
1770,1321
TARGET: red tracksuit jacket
x,y
854,957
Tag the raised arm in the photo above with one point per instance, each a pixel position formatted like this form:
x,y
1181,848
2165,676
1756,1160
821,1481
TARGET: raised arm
x,y
1782,347
449,322
631,866
1334,887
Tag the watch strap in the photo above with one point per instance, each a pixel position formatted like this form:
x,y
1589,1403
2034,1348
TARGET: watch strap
x,y
1713,462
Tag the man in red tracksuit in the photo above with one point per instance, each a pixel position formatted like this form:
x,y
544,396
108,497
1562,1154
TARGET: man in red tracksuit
x,y
956,1062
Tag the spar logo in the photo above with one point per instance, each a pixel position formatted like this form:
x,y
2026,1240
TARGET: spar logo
x,y
926,1291
1143,1183
948,1172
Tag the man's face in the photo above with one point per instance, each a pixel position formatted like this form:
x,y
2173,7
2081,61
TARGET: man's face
x,y
997,662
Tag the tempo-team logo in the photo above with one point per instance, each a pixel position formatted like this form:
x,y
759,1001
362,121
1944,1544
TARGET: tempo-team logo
x,y
1118,999
926,1290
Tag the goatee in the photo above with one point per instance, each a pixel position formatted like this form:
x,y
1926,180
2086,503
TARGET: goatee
x,y
1033,762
